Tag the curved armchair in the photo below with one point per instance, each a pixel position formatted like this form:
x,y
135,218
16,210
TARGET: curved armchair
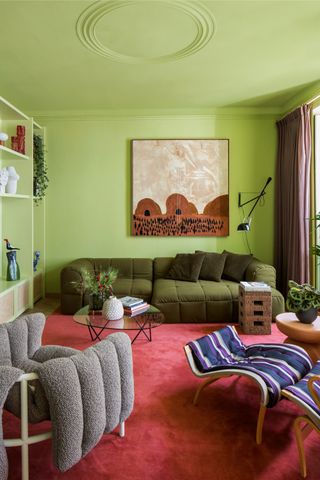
x,y
84,393
306,394
271,366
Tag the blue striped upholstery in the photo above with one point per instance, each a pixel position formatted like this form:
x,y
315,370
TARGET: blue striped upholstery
x,y
279,365
300,394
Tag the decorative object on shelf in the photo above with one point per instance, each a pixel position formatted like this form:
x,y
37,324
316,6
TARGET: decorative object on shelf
x,y
21,138
190,196
97,285
40,171
13,178
14,143
13,270
3,138
112,308
21,131
245,225
36,260
4,175
9,246
304,301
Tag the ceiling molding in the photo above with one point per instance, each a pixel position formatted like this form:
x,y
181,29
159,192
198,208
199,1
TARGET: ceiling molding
x,y
86,29
85,115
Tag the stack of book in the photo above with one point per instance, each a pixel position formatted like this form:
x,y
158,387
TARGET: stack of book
x,y
134,306
255,286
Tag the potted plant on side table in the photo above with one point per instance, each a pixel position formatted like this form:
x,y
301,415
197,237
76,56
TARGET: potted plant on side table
x,y
304,301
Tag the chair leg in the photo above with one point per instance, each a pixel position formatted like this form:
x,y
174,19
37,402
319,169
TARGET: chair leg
x,y
299,430
122,429
260,422
201,387
24,430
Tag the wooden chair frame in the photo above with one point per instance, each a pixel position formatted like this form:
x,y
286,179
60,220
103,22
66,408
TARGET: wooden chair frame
x,y
304,424
25,440
214,376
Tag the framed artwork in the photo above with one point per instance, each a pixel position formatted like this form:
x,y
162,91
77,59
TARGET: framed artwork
x,y
180,187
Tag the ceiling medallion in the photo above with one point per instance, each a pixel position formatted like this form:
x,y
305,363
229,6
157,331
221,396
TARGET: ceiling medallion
x,y
86,29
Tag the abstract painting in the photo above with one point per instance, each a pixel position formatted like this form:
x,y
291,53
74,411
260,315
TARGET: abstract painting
x,y
180,187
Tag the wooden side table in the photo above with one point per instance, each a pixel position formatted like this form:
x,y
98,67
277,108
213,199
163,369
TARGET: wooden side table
x,y
304,335
255,310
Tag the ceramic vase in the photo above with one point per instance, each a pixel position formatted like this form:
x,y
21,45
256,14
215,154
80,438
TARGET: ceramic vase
x,y
13,270
13,178
112,308
4,176
307,316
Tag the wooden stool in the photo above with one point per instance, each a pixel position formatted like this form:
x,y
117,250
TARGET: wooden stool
x,y
255,309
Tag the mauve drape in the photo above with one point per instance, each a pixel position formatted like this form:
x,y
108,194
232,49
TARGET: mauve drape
x,y
293,198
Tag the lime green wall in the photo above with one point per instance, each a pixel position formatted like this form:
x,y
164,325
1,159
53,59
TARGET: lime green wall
x,y
88,201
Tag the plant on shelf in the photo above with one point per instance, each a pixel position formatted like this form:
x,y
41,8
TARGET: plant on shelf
x,y
316,249
303,300
97,285
40,171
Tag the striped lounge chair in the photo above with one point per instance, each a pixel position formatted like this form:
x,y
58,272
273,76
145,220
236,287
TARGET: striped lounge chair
x,y
306,394
272,366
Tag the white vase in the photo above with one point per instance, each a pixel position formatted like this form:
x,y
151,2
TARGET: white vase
x,y
13,178
112,309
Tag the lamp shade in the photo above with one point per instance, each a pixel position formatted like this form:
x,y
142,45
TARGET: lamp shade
x,y
244,227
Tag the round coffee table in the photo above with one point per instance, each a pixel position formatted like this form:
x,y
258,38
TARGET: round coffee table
x,y
305,335
142,323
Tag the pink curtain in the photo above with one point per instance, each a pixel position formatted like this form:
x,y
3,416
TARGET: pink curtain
x,y
293,198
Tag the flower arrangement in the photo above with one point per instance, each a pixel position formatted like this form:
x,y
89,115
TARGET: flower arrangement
x,y
98,283
302,297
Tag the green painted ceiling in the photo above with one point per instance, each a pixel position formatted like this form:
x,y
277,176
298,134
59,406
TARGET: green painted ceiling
x,y
156,54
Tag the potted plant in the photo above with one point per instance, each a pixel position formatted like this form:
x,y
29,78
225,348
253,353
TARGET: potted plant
x,y
97,285
40,171
316,248
304,301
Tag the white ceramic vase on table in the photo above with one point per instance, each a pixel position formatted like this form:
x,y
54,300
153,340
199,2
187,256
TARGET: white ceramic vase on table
x,y
112,309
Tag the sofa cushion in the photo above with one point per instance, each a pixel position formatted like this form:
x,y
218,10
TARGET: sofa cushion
x,y
235,266
167,290
212,266
186,267
135,287
136,268
200,302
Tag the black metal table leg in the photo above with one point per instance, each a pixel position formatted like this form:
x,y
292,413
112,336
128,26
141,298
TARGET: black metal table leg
x,y
94,332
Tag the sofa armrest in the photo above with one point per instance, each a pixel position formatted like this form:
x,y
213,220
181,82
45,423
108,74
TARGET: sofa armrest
x,y
261,272
71,297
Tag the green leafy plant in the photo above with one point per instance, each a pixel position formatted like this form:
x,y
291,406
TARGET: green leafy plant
x,y
316,249
97,283
302,297
40,170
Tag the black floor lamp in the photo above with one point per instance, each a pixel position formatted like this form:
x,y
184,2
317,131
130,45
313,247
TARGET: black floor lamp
x,y
245,225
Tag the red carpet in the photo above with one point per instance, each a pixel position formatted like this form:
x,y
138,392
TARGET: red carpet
x,y
167,438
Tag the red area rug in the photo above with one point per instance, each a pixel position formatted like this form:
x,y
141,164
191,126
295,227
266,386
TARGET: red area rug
x,y
167,438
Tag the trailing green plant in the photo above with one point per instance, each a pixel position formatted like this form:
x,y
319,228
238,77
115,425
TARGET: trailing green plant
x,y
97,283
40,170
302,297
316,249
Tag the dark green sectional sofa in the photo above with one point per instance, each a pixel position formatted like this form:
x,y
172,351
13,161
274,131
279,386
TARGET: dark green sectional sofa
x,y
181,302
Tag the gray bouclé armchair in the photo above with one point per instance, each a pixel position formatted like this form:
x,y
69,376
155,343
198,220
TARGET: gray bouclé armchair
x,y
84,394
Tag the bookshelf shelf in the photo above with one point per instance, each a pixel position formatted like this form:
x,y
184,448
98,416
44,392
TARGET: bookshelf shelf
x,y
20,221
